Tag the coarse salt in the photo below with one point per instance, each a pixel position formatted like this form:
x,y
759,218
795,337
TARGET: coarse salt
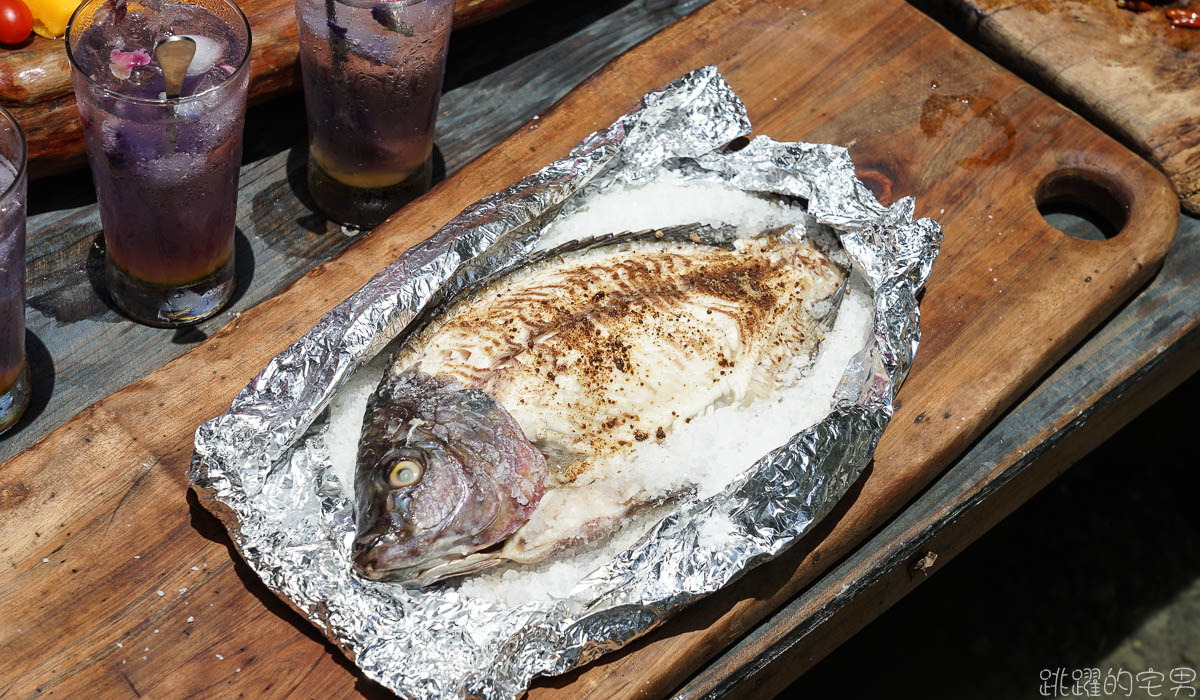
x,y
670,202
704,455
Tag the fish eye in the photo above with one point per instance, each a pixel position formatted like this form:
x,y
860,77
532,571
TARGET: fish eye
x,y
405,472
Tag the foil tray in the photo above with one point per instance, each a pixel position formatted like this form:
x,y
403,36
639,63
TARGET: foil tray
x,y
264,467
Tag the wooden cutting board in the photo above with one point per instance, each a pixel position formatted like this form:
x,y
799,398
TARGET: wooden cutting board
x,y
1130,72
35,79
115,583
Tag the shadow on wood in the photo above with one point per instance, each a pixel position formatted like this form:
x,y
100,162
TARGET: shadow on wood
x,y
210,528
41,379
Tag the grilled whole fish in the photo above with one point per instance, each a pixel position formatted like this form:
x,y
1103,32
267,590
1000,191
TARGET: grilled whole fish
x,y
491,435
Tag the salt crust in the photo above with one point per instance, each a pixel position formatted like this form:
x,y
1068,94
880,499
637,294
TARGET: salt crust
x,y
670,201
700,457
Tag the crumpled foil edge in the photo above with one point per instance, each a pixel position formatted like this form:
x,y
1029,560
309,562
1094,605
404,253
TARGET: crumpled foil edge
x,y
263,466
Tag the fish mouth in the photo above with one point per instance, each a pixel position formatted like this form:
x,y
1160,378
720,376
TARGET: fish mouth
x,y
378,559
392,563
399,555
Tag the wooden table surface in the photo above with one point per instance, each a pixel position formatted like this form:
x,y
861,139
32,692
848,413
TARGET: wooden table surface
x,y
1131,72
500,76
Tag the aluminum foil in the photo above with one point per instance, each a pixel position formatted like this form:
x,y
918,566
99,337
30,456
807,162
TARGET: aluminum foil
x,y
264,466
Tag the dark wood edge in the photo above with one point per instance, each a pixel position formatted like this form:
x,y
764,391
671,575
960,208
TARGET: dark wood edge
x,y
891,564
469,13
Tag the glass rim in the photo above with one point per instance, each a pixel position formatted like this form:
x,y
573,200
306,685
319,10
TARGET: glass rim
x,y
7,116
367,4
242,64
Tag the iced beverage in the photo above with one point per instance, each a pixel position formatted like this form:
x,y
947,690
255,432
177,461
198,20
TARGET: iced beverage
x,y
165,168
14,375
372,79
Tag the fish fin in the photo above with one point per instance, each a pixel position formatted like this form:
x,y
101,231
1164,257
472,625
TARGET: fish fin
x,y
825,310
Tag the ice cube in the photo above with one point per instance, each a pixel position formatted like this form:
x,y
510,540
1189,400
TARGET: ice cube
x,y
175,167
145,76
209,52
212,77
113,143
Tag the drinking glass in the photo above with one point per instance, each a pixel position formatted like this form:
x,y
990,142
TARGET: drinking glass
x,y
14,374
165,168
372,80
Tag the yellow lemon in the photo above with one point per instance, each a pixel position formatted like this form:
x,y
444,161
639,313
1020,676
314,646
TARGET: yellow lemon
x,y
50,17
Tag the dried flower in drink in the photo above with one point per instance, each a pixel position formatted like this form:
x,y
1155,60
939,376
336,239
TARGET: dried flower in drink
x,y
386,17
338,41
122,63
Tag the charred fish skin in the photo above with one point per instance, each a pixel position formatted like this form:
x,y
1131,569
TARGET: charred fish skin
x,y
443,471
590,349
595,350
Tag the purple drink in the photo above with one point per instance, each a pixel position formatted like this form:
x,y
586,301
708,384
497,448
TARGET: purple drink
x,y
12,282
372,79
14,375
165,169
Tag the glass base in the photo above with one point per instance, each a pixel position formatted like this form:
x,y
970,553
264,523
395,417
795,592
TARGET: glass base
x,y
361,207
14,401
169,307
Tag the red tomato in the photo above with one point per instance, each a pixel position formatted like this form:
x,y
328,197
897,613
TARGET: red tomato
x,y
15,22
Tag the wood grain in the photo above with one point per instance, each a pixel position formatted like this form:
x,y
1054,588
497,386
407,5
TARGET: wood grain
x,y
1141,354
886,573
468,13
35,79
499,76
1009,296
1130,72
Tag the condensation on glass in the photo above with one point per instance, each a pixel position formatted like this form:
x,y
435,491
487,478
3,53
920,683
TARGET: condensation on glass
x,y
165,168
372,79
14,371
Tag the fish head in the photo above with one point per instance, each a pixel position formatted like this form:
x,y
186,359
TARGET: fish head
x,y
443,472
418,502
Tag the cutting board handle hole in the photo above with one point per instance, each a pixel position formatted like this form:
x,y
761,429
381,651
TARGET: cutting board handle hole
x,y
1082,204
